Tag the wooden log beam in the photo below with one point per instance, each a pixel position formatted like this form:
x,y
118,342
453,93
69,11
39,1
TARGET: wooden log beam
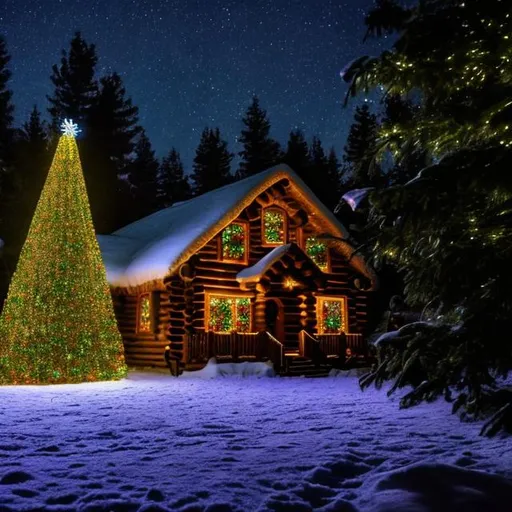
x,y
253,213
219,285
209,275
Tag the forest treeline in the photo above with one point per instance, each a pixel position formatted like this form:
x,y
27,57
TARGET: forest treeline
x,y
124,178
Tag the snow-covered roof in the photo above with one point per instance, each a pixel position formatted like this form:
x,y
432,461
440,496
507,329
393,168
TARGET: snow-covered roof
x,y
255,271
152,247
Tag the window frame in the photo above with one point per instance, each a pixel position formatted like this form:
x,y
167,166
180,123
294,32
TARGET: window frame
x,y
284,213
220,248
305,239
230,295
149,295
320,300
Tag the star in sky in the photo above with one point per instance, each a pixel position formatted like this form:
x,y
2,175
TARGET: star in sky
x,y
188,65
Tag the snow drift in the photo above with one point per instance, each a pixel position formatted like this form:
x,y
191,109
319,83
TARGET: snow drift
x,y
157,443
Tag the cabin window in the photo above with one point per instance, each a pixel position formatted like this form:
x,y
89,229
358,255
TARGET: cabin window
x,y
234,242
227,314
332,315
144,320
317,251
274,226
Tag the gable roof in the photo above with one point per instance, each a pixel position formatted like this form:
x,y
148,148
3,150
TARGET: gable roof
x,y
254,273
155,246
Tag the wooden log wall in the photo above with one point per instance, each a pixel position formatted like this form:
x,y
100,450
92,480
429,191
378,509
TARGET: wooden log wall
x,y
218,276
259,311
181,307
307,307
177,313
143,348
213,275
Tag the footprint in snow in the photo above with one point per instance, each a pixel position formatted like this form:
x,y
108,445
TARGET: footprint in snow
x,y
16,477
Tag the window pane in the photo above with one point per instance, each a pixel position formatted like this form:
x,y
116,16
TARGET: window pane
x,y
332,316
273,227
317,251
233,242
243,315
145,314
221,314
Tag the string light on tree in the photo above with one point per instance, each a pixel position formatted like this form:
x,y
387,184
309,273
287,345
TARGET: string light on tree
x,y
58,322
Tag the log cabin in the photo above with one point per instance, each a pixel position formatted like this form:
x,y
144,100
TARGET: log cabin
x,y
256,270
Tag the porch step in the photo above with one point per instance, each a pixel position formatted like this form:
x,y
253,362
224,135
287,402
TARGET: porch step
x,y
301,367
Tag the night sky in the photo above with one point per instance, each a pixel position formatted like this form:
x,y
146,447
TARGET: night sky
x,y
193,63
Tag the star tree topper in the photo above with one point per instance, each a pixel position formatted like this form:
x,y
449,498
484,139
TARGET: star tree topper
x,y
69,128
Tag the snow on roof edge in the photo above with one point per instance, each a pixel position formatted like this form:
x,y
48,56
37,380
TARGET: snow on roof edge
x,y
256,270
156,256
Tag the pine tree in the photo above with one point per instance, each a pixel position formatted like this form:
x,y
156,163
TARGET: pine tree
x,y
297,156
173,184
35,130
58,322
334,167
326,184
260,151
74,82
114,121
143,176
448,231
6,108
360,150
31,161
212,163
6,156
109,145
407,158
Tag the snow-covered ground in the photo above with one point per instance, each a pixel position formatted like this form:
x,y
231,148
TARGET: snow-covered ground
x,y
153,443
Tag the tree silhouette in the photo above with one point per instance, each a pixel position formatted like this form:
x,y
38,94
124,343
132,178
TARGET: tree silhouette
x,y
173,184
212,163
6,108
360,150
260,151
143,176
325,169
108,149
297,156
74,83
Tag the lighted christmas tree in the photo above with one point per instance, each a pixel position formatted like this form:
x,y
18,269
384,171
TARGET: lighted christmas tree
x,y
58,322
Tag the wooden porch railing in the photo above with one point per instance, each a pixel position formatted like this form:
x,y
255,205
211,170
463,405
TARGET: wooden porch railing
x,y
274,350
337,344
329,345
333,344
357,344
200,347
308,346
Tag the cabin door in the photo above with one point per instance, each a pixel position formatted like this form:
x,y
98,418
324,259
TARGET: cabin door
x,y
274,318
